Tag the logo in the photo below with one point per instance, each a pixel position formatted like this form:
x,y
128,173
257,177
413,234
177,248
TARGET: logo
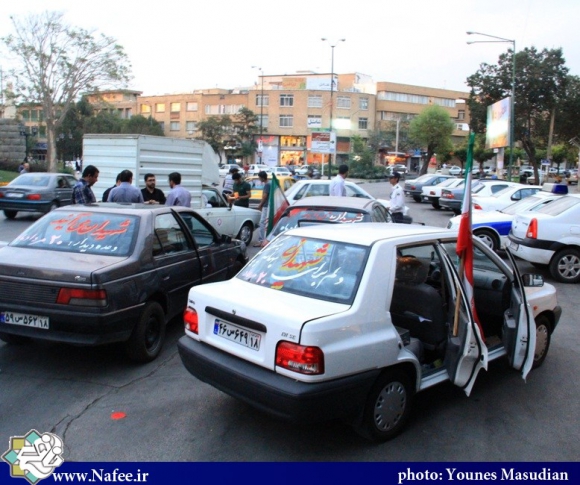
x,y
34,456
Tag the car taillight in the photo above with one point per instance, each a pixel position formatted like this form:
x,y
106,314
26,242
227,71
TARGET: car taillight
x,y
447,195
413,187
1,194
300,358
477,206
532,232
33,196
80,297
191,320
431,192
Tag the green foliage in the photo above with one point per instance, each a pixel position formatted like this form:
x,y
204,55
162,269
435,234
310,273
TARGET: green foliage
x,y
215,130
361,160
245,124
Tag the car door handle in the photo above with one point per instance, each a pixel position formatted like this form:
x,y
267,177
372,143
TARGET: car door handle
x,y
166,278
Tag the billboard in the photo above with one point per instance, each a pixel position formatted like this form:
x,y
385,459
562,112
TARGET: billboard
x,y
323,142
321,83
497,133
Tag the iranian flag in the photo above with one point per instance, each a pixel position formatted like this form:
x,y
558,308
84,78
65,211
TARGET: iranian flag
x,y
277,204
464,247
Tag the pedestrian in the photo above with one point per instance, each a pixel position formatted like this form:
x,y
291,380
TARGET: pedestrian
x,y
242,191
178,195
152,195
229,182
25,168
397,198
263,206
82,191
126,191
337,186
108,191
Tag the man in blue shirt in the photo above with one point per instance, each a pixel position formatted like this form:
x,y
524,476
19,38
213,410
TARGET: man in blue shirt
x,y
178,195
126,192
82,191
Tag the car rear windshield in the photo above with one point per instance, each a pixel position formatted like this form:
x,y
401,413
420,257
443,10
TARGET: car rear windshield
x,y
296,216
82,232
33,179
315,268
560,205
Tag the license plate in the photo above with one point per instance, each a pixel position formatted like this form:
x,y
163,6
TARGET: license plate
x,y
14,195
236,334
514,246
25,319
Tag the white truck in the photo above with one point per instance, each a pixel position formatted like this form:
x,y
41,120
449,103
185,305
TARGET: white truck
x,y
195,160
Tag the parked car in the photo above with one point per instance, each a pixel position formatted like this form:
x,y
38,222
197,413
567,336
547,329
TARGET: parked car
x,y
311,188
452,198
257,168
432,193
493,227
358,319
572,177
414,188
36,192
455,170
550,237
285,181
90,275
225,169
401,168
231,220
503,198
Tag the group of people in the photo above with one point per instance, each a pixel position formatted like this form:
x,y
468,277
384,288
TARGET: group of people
x,y
124,191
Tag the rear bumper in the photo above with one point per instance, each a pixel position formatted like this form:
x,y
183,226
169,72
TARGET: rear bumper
x,y
25,206
535,250
273,393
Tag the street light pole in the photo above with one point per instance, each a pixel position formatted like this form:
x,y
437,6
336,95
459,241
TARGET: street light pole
x,y
261,113
332,46
513,96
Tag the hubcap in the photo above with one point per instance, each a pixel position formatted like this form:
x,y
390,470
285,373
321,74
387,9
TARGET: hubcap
x,y
152,332
542,337
569,266
390,406
245,234
487,240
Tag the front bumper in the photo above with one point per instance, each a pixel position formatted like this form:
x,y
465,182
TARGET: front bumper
x,y
273,393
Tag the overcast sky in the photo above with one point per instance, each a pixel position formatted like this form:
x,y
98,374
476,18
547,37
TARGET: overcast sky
x,y
177,46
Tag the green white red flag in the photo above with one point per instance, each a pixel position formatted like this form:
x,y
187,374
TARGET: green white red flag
x,y
277,204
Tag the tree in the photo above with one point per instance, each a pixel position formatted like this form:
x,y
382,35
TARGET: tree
x,y
216,130
139,125
57,63
432,129
245,124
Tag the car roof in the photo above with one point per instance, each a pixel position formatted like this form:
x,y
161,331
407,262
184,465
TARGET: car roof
x,y
333,202
125,208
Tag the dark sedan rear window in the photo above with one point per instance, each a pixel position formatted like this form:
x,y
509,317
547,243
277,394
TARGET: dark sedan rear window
x,y
32,179
296,215
82,232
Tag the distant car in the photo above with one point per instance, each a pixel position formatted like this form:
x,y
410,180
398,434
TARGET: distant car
x,y
312,188
414,188
401,168
573,177
285,181
254,169
503,198
104,273
36,192
453,198
279,171
225,169
455,170
550,237
303,169
432,193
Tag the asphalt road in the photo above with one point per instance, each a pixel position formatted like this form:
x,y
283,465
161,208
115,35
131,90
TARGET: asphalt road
x,y
170,416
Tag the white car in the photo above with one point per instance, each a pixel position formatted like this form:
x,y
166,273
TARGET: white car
x,y
490,187
278,171
500,200
310,188
550,237
432,193
225,169
493,227
230,220
455,170
257,168
355,319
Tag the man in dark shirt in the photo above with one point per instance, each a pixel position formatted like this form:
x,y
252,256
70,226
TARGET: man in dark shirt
x,y
105,197
152,195
242,191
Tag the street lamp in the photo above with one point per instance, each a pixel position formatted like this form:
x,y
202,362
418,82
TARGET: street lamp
x,y
332,46
513,97
260,147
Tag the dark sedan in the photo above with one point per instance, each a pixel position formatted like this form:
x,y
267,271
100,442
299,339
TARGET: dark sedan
x,y
105,273
36,192
414,188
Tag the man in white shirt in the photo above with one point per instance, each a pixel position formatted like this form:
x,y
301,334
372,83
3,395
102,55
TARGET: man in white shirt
x,y
397,198
337,186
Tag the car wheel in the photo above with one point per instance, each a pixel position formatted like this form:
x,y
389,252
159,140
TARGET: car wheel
x,y
488,238
387,407
543,339
456,211
565,266
417,198
435,205
246,233
52,207
14,339
10,214
148,335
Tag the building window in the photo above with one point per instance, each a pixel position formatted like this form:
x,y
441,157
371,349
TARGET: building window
x,y
162,125
190,126
264,121
461,114
363,103
145,109
175,107
402,97
343,102
286,121
265,98
314,121
286,100
314,101
175,126
160,108
191,106
447,103
341,123
363,123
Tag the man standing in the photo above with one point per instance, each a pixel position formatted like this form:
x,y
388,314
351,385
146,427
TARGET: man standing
x,y
25,167
263,206
397,198
108,191
126,192
152,195
82,191
242,191
178,194
229,182
337,186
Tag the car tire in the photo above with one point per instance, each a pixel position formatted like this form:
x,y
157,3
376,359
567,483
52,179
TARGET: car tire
x,y
387,407
14,339
565,265
435,205
246,233
10,214
543,339
488,238
456,211
417,198
52,207
148,334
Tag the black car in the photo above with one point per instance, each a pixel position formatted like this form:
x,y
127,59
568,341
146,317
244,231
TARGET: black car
x,y
107,272
36,192
414,188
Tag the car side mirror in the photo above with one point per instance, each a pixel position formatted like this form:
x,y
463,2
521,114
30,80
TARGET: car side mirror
x,y
533,280
226,239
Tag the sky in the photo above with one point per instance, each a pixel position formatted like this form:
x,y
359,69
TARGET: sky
x,y
177,46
